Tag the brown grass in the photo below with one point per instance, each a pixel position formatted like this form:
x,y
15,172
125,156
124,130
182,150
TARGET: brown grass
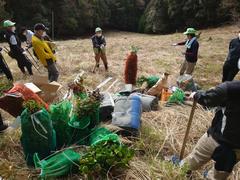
x,y
162,132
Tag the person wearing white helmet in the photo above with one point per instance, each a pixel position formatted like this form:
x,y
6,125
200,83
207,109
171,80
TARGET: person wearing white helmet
x,y
99,47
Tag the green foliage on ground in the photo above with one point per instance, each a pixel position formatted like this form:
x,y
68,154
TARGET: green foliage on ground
x,y
104,157
5,85
32,106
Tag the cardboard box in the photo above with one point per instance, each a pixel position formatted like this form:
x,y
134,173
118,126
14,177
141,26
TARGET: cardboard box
x,y
48,90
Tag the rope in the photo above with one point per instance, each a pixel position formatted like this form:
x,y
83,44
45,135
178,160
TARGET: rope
x,y
70,160
35,119
37,130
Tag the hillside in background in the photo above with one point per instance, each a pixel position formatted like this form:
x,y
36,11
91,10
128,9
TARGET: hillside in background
x,y
77,17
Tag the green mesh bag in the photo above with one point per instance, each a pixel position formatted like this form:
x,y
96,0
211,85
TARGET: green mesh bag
x,y
102,134
141,80
81,95
38,135
82,124
79,136
152,80
57,165
60,116
177,97
89,116
94,119
79,123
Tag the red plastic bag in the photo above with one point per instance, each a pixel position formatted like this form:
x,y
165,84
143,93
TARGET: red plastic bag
x,y
27,94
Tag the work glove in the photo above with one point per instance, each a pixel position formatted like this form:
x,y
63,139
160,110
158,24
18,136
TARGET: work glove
x,y
175,44
191,97
102,46
24,52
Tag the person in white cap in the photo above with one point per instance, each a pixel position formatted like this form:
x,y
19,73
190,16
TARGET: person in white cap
x,y
99,47
191,54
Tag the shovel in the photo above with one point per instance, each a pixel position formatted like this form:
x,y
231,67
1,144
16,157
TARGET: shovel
x,y
188,129
103,83
34,65
36,62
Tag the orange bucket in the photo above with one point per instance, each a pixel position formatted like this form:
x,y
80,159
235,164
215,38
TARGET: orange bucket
x,y
165,94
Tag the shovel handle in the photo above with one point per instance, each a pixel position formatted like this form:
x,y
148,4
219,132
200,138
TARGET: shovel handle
x,y
188,130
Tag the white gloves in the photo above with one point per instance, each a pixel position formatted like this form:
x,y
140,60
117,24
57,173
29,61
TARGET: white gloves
x,y
191,97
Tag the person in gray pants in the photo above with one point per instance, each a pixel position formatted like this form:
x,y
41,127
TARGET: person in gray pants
x,y
44,52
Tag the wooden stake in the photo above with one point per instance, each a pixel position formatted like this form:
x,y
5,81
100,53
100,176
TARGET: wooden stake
x,y
188,130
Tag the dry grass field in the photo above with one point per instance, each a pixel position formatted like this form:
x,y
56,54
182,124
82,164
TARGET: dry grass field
x,y
162,132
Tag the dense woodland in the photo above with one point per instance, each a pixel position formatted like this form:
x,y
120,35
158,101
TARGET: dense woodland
x,y
78,17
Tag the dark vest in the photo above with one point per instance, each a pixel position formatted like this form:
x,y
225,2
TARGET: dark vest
x,y
15,49
230,132
234,52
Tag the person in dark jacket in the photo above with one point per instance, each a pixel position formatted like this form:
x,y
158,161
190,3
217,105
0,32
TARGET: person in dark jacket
x,y
221,142
191,54
99,47
4,67
232,64
16,51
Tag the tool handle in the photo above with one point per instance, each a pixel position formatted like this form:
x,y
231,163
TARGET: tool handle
x,y
188,130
